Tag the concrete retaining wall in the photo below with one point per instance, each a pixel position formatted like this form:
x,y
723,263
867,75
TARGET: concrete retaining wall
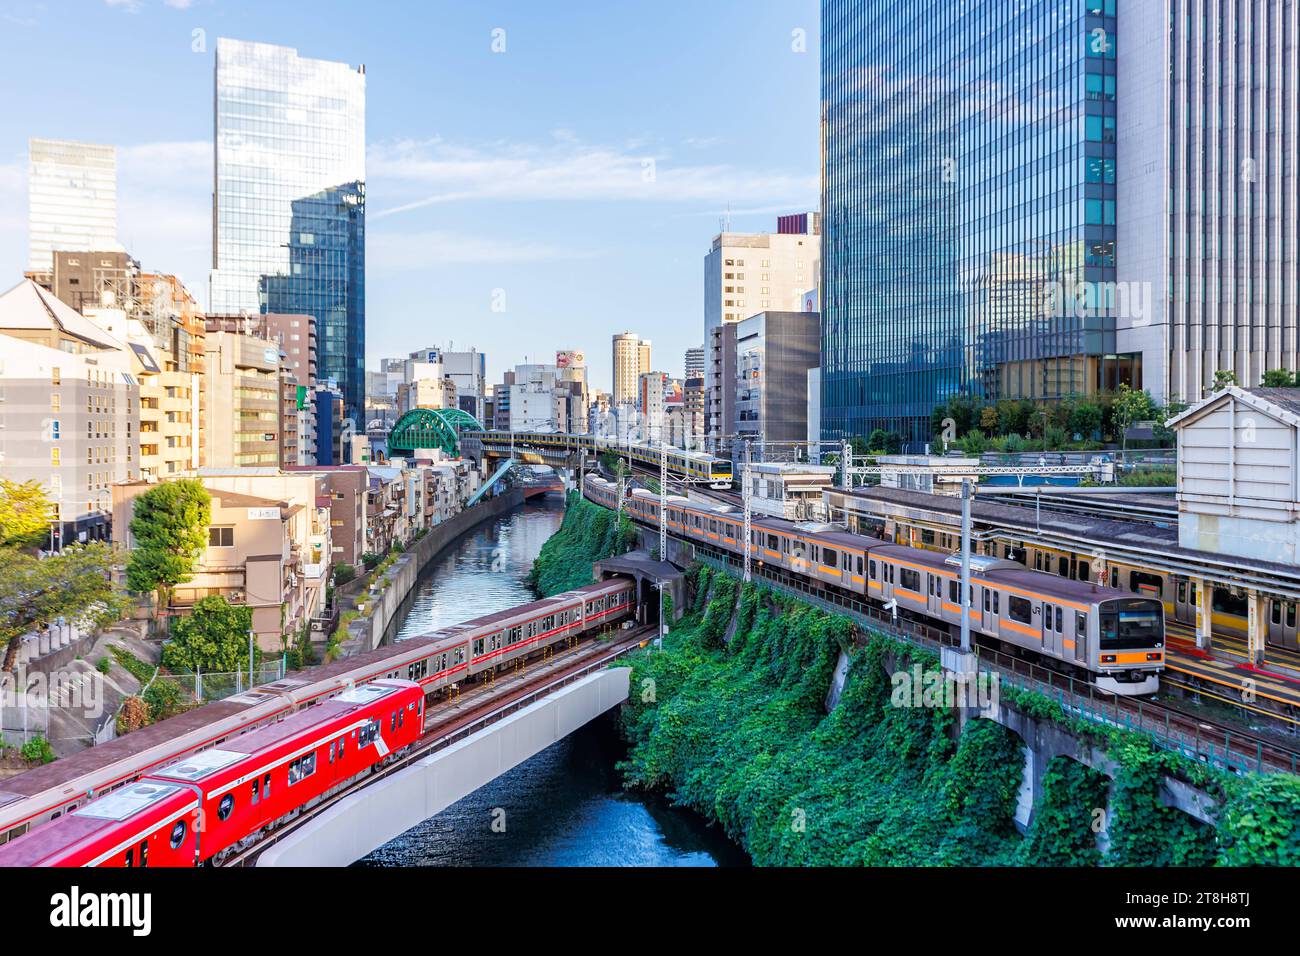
x,y
385,810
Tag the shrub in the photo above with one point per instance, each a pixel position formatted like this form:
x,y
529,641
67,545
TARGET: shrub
x,y
344,573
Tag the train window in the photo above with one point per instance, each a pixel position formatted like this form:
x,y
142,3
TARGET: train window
x,y
927,536
1142,583
1290,613
1225,602
302,768
1083,570
1063,567
178,834
871,569
1080,624
909,579
130,857
266,780
144,852
392,722
252,797
460,655
226,807
987,601
859,563
1114,577
1060,627
1038,561
1277,612
1182,592
1019,609
1047,617
401,718
772,542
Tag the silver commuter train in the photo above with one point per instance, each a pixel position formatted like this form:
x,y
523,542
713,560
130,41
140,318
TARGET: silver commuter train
x,y
1117,639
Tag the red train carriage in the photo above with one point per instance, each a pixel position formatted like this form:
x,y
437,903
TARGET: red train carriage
x,y
149,823
220,800
271,775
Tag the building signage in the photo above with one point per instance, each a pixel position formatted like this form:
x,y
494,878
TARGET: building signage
x,y
263,514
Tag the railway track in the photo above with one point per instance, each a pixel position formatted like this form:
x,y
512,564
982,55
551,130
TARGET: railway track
x,y
474,709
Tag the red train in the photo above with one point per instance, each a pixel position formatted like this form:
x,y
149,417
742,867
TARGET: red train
x,y
218,801
455,654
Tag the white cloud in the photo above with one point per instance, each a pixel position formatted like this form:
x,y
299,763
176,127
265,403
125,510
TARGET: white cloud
x,y
433,171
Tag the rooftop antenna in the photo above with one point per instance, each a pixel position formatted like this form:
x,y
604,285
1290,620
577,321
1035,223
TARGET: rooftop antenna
x,y
724,223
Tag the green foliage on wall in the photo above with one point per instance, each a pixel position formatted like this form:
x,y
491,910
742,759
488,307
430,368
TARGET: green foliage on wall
x,y
588,534
737,732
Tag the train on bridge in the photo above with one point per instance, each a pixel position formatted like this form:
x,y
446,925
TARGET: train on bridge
x,y
1112,638
250,763
695,467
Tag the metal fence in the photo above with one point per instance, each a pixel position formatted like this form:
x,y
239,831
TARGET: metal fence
x,y
201,687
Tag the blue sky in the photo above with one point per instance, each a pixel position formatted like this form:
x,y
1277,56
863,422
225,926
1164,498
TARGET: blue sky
x,y
583,171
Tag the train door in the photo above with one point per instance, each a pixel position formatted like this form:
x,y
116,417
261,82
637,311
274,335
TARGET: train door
x,y
1184,601
1282,623
934,595
1080,636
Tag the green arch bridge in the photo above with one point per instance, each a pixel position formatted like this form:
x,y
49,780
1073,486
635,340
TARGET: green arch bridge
x,y
430,428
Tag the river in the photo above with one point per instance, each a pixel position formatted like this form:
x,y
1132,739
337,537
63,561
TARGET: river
x,y
565,806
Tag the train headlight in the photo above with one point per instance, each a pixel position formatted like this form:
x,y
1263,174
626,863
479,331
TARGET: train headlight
x,y
1153,657
1108,658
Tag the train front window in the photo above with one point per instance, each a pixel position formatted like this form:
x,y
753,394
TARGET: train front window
x,y
1126,624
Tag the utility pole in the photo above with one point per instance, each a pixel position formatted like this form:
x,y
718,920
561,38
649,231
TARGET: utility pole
x,y
663,507
250,659
966,493
846,462
746,488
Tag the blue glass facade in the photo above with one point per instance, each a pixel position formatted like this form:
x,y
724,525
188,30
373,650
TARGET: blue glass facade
x,y
968,234
289,200
326,278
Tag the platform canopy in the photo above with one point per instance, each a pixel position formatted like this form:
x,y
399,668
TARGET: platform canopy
x,y
430,428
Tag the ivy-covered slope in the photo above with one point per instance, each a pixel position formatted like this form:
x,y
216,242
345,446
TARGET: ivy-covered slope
x,y
588,534
738,733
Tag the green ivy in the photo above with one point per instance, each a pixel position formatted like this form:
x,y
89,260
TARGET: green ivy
x,y
588,534
1064,828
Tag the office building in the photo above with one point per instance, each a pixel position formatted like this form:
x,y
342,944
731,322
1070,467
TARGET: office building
x,y
650,403
774,352
72,199
289,206
631,360
693,365
750,272
468,372
719,388
69,410
242,395
1118,210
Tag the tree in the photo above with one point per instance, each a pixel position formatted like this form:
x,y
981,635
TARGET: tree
x,y
1223,378
1085,419
75,584
25,514
1280,378
212,638
1130,406
170,528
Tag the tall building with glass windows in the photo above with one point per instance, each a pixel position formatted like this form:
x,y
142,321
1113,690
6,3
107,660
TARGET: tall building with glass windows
x,y
289,199
969,170
72,200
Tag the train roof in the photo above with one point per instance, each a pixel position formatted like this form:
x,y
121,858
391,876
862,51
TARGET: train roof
x,y
86,823
63,774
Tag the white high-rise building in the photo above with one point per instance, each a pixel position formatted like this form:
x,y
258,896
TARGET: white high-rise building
x,y
72,200
631,361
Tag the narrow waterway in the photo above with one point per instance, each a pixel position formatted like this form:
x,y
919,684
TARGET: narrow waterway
x,y
565,806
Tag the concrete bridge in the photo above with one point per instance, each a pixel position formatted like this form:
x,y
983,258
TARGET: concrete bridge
x,y
382,811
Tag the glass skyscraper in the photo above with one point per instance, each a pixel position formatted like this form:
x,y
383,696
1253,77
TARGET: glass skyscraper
x,y
72,200
289,200
968,203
